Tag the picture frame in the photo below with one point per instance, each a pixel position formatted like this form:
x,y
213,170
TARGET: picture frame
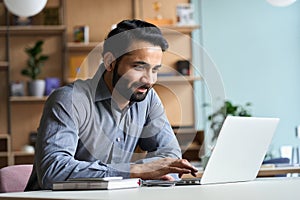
x,y
185,14
81,34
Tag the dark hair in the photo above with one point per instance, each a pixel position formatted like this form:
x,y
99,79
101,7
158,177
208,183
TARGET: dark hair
x,y
128,31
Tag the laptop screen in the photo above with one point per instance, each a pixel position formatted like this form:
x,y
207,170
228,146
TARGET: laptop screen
x,y
240,149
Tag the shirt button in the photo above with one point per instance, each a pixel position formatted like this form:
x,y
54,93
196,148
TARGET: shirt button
x,y
118,139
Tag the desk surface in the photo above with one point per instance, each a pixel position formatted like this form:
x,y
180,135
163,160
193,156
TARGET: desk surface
x,y
262,188
263,172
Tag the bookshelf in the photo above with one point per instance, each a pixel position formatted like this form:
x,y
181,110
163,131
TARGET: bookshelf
x,y
24,112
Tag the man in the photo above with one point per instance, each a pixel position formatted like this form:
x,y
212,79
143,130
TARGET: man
x,y
91,128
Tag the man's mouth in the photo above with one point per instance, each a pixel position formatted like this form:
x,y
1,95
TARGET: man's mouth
x,y
142,89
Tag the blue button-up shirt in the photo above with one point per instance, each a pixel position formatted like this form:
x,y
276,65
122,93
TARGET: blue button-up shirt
x,y
83,134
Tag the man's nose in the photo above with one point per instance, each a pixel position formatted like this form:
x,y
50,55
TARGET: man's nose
x,y
149,78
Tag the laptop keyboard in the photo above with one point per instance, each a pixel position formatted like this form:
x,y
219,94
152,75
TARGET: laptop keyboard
x,y
162,183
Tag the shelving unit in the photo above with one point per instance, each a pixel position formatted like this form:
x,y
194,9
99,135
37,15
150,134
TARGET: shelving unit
x,y
24,112
33,29
27,99
5,139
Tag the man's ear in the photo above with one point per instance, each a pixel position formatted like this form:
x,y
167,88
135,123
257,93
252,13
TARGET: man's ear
x,y
108,61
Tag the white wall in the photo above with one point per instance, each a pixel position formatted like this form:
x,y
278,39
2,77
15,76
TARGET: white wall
x,y
256,48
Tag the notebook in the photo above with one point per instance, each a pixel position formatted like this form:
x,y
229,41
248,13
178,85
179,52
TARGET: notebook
x,y
238,153
106,183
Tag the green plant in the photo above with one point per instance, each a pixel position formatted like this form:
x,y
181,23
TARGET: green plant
x,y
35,60
218,117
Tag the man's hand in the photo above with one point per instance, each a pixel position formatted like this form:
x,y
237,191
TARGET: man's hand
x,y
160,168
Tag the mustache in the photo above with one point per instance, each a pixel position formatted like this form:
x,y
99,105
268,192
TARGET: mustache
x,y
143,86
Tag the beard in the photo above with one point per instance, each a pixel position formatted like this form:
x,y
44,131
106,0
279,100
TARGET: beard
x,y
120,83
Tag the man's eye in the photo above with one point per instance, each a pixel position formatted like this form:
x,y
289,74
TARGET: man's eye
x,y
155,70
139,67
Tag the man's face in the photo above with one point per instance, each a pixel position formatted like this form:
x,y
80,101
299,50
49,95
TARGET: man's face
x,y
136,72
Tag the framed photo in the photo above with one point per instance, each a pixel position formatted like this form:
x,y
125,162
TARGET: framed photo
x,y
185,14
81,34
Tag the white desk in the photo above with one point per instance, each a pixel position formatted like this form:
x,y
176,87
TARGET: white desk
x,y
263,172
264,189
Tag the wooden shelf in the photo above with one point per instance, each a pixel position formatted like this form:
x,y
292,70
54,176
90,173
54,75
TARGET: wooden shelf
x,y
4,154
27,99
76,46
22,153
34,29
3,65
4,136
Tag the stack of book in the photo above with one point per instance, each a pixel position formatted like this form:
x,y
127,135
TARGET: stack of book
x,y
97,183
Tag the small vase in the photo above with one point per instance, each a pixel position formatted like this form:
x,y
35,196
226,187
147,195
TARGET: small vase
x,y
36,88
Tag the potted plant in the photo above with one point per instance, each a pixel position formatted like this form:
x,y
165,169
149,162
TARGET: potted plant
x,y
217,119
35,62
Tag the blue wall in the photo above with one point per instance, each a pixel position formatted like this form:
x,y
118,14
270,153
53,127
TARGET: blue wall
x,y
256,48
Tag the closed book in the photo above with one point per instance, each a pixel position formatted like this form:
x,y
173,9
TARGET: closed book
x,y
81,34
96,184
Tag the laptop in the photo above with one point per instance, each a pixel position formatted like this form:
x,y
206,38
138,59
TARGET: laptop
x,y
239,151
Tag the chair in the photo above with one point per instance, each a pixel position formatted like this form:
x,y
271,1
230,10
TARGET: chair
x,y
14,178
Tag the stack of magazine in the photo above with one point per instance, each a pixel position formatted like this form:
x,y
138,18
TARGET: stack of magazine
x,y
97,183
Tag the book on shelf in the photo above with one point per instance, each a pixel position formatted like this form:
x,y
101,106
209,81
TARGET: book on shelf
x,y
97,183
81,34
